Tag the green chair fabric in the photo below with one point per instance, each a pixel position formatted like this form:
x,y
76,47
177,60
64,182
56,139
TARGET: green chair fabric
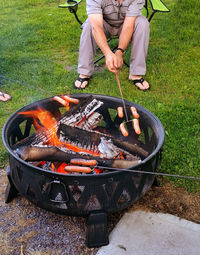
x,y
158,5
145,11
69,3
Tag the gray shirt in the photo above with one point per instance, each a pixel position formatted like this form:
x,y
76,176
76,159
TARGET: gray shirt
x,y
114,12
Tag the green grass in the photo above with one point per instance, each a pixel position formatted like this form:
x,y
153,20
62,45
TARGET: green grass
x,y
38,58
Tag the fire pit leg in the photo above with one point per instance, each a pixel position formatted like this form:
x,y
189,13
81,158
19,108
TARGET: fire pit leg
x,y
97,234
11,192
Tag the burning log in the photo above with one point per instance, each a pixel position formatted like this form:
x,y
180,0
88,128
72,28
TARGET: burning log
x,y
98,142
83,115
86,142
54,154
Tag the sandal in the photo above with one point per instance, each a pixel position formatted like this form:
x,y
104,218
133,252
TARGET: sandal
x,y
82,80
4,97
141,82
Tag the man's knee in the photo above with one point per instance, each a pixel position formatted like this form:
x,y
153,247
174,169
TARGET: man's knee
x,y
142,23
86,26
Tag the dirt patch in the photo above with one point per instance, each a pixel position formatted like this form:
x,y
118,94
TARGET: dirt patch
x,y
26,229
99,68
172,200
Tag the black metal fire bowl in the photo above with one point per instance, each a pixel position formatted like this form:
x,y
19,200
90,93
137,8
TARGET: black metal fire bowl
x,y
84,195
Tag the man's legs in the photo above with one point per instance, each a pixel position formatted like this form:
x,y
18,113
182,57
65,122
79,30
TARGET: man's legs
x,y
87,51
139,48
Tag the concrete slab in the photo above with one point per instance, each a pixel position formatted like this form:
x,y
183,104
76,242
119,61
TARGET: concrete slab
x,y
145,233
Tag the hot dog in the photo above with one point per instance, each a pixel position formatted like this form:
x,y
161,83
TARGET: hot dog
x,y
70,99
120,112
84,162
136,126
76,169
60,100
123,129
134,112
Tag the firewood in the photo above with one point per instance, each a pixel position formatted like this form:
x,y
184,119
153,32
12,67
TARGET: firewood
x,y
54,154
91,140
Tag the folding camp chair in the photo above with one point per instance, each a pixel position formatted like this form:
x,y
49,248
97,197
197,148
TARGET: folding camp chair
x,y
148,12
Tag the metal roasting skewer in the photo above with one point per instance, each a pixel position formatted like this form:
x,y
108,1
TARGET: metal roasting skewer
x,y
118,82
151,173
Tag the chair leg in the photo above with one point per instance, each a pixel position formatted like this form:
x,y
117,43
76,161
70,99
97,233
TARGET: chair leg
x,y
96,61
126,64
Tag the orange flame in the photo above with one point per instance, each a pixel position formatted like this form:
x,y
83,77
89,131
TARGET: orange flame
x,y
97,170
61,168
43,120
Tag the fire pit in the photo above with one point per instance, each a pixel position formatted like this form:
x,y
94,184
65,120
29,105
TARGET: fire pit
x,y
92,195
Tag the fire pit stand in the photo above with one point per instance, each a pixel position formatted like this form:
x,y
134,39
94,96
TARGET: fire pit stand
x,y
91,196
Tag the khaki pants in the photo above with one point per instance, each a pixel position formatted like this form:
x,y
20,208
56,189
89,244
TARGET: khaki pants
x,y
139,46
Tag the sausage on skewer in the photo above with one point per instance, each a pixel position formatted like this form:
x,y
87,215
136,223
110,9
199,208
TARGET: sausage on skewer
x,y
123,129
120,112
78,169
136,126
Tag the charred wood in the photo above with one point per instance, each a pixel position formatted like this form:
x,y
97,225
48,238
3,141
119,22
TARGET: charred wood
x,y
54,154
95,140
83,114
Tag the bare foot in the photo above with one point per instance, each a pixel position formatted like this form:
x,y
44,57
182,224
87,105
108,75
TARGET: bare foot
x,y
82,81
139,82
4,97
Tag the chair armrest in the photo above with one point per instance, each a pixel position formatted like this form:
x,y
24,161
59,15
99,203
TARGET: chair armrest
x,y
69,3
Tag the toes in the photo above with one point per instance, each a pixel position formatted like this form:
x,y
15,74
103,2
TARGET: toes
x,y
146,85
81,82
77,84
140,83
84,84
140,86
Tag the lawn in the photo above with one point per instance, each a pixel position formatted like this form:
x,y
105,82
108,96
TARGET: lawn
x,y
38,59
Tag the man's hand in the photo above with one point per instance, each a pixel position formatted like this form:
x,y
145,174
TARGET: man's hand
x,y
114,61
111,62
119,56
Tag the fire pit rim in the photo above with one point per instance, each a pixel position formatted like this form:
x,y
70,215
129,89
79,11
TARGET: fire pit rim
x,y
79,95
